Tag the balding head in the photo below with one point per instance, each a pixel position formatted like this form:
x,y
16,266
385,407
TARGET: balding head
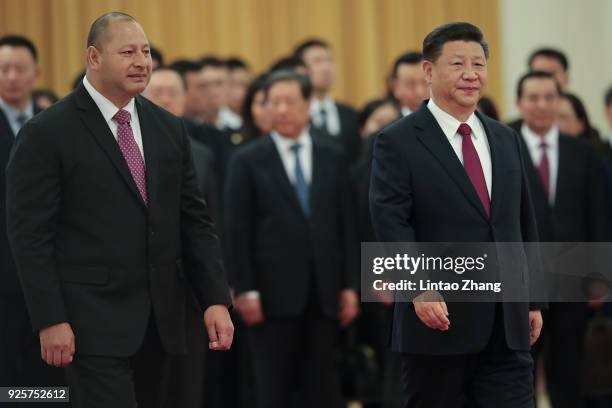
x,y
98,31
167,90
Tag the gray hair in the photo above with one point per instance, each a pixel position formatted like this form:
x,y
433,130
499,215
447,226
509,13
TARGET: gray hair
x,y
98,28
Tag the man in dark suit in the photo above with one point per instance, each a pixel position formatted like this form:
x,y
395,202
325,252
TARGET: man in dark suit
x,y
448,174
20,362
566,181
330,117
108,228
291,229
185,374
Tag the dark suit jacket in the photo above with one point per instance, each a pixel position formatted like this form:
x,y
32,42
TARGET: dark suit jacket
x,y
9,282
420,192
579,212
88,251
276,249
349,131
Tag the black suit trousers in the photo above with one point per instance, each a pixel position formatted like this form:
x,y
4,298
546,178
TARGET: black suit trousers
x,y
495,377
294,362
120,382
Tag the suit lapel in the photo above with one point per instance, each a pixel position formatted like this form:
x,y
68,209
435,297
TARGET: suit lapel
x,y
496,165
94,121
434,139
321,172
148,128
279,174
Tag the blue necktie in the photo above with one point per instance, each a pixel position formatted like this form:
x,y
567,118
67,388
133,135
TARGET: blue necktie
x,y
301,187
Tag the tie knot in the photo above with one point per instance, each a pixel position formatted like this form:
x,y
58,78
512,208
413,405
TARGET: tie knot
x,y
543,145
122,117
464,130
22,118
296,148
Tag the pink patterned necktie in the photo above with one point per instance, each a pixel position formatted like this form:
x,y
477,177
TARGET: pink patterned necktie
x,y
131,152
473,168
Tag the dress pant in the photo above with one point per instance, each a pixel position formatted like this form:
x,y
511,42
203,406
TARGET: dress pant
x,y
20,359
562,348
120,382
294,361
184,374
495,377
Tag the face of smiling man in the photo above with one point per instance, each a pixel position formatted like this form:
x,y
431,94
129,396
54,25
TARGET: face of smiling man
x,y
458,77
119,64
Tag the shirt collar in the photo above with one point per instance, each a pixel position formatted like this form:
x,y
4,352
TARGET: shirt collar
x,y
107,108
13,113
285,143
533,140
449,123
406,111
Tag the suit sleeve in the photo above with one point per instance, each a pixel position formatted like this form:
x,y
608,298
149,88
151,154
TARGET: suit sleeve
x,y
239,224
349,228
529,231
34,191
201,249
390,192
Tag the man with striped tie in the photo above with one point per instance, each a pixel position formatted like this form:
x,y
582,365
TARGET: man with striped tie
x,y
107,227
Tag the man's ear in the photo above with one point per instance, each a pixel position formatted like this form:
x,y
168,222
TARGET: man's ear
x,y
93,57
428,70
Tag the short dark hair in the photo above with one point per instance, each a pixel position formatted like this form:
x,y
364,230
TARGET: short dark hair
x,y
157,55
287,63
608,97
536,74
235,63
288,75
550,53
250,130
434,41
19,41
411,57
98,27
311,42
371,107
170,69
185,66
211,61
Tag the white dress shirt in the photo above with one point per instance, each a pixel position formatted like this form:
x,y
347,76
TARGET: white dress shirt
x,y
551,139
228,119
108,110
12,115
331,113
283,145
450,126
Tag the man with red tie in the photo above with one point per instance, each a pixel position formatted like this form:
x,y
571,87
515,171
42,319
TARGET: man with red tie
x,y
569,199
448,174
108,227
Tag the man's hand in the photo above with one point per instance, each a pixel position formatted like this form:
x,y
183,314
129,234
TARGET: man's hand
x,y
535,323
430,307
349,306
250,309
57,344
219,326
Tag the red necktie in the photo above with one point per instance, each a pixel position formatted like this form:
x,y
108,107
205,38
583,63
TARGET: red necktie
x,y
473,168
131,152
544,170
